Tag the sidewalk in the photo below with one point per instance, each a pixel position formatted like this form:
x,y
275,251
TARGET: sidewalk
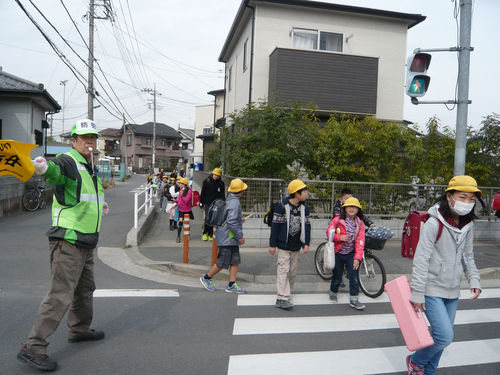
x,y
258,266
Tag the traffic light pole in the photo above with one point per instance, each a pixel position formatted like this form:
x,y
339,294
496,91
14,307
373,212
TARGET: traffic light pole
x,y
462,100
463,86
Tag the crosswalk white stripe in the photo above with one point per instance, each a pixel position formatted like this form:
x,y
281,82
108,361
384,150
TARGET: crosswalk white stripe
x,y
136,293
347,362
315,324
322,298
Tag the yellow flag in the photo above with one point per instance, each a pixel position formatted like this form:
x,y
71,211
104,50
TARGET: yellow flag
x,y
15,160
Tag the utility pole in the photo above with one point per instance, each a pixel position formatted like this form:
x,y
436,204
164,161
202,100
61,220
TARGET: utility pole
x,y
154,93
125,132
64,101
90,86
463,86
105,5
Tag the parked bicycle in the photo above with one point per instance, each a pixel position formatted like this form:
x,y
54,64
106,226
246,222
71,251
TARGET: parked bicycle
x,y
371,271
34,199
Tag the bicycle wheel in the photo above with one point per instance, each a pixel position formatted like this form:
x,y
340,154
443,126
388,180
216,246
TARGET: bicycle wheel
x,y
30,200
372,276
42,203
318,262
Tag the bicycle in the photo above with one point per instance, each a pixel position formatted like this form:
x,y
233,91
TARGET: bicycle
x,y
34,199
371,271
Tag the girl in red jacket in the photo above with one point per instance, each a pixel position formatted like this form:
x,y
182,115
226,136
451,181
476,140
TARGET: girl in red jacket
x,y
349,238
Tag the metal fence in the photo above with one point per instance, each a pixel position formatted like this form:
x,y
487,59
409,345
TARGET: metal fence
x,y
378,199
105,171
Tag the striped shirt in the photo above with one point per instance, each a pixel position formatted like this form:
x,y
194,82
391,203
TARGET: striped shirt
x,y
348,246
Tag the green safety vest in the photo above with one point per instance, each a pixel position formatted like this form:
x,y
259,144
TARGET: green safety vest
x,y
81,215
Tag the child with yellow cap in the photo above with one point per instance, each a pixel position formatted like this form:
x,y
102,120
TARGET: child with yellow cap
x,y
348,231
438,267
290,232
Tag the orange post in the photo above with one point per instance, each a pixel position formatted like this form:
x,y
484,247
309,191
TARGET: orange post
x,y
214,250
186,238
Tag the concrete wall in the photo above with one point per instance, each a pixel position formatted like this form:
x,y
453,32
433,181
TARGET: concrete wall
x,y
257,233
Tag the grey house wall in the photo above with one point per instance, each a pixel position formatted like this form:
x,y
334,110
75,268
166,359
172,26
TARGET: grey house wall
x,y
333,81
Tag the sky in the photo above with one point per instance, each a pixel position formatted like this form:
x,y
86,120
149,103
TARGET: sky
x,y
174,45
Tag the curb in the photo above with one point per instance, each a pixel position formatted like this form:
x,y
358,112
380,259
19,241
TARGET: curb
x,y
195,271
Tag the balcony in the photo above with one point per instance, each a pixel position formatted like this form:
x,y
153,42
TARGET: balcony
x,y
333,81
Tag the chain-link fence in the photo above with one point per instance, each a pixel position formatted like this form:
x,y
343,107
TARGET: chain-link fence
x,y
378,199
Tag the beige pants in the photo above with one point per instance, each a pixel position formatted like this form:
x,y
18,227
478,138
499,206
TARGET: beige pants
x,y
288,264
72,271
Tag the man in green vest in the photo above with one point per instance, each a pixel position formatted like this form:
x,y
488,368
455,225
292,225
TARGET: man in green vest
x,y
76,220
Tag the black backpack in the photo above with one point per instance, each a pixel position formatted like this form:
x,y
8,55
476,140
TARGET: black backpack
x,y
215,215
268,217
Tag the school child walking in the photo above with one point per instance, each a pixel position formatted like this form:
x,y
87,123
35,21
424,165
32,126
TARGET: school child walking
x,y
184,204
349,238
290,232
229,239
438,267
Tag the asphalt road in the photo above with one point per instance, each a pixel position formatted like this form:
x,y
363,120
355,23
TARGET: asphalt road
x,y
192,331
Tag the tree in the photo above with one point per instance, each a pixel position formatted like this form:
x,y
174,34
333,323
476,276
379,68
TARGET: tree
x,y
437,163
483,152
269,140
365,149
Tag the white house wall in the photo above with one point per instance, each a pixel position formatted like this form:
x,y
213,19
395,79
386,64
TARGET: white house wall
x,y
238,96
20,118
204,118
378,37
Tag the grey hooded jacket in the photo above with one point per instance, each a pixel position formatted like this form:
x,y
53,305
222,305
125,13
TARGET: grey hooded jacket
x,y
438,266
233,222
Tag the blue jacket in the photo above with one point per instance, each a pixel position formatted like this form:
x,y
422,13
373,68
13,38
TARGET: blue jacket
x,y
233,222
279,227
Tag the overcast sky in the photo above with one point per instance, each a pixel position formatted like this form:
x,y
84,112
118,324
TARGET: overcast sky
x,y
176,44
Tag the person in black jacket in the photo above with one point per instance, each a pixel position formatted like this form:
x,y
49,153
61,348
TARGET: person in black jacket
x,y
213,188
337,207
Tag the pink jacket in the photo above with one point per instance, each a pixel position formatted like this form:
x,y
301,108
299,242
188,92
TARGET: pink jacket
x,y
338,225
184,202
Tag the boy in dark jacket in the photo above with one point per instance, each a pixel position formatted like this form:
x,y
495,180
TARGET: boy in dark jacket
x,y
290,232
212,189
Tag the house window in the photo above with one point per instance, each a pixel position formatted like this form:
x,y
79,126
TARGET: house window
x,y
148,141
308,39
163,142
305,39
330,41
128,139
245,55
185,146
229,78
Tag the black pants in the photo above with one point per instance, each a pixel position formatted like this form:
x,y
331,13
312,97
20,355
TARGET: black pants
x,y
207,229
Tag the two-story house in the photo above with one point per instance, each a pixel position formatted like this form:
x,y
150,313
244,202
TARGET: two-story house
x,y
343,58
136,146
209,118
23,109
187,148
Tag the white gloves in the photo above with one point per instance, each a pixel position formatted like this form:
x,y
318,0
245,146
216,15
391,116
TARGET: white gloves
x,y
105,209
40,165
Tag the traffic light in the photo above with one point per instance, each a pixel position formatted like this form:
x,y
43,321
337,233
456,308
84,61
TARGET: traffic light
x,y
417,80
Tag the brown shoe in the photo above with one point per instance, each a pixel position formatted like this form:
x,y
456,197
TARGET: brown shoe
x,y
92,335
39,361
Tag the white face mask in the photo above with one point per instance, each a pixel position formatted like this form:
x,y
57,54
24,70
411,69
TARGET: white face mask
x,y
461,208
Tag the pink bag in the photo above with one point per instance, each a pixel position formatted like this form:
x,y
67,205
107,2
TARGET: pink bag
x,y
413,325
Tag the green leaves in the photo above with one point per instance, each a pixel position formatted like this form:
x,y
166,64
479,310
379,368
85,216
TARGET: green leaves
x,y
284,141
263,140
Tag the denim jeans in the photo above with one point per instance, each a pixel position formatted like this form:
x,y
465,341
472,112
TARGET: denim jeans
x,y
440,313
348,261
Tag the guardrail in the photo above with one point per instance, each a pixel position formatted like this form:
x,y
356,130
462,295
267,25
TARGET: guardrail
x,y
149,197
383,200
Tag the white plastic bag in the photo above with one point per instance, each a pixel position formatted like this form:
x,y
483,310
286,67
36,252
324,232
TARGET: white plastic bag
x,y
329,255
